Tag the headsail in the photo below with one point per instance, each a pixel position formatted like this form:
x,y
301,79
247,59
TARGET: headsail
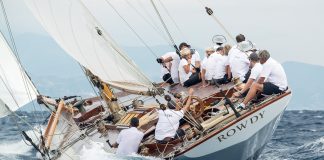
x,y
75,29
16,89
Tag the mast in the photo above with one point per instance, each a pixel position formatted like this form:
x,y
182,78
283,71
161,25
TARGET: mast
x,y
107,95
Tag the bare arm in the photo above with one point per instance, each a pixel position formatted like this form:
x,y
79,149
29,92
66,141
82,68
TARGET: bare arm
x,y
203,79
187,68
186,107
247,85
166,60
228,71
261,80
197,64
115,145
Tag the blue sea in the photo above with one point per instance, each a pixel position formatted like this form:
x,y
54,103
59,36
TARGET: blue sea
x,y
299,136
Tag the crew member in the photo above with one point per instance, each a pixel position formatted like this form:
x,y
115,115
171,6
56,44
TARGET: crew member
x,y
129,139
256,69
169,67
239,61
206,76
220,63
195,60
188,75
272,79
168,123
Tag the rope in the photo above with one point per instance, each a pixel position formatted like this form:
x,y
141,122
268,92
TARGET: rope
x,y
174,22
211,13
88,79
22,70
165,27
11,94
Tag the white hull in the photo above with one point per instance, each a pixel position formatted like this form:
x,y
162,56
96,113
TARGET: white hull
x,y
242,139
237,142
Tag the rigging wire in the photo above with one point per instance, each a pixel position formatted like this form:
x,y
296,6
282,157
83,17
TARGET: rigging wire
x,y
133,30
22,70
153,25
172,19
165,27
88,79
211,13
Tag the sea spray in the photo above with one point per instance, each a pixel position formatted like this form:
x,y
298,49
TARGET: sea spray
x,y
97,151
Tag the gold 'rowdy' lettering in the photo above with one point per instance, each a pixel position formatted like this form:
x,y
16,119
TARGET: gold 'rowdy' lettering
x,y
241,126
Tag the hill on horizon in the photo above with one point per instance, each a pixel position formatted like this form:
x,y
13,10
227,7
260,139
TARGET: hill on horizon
x,y
306,83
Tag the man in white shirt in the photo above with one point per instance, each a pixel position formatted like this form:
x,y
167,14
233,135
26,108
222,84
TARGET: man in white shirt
x,y
239,62
169,67
195,60
220,69
188,75
129,139
256,69
272,79
168,123
206,77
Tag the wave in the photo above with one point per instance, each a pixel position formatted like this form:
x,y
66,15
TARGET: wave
x,y
316,147
15,148
19,148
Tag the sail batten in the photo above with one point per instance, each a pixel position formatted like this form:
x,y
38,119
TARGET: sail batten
x,y
76,30
16,89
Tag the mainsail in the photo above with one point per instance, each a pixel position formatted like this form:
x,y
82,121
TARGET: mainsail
x,y
74,28
16,89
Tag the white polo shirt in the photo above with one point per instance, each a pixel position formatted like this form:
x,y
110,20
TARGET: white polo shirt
x,y
128,141
221,67
168,123
274,73
239,63
195,58
213,64
183,76
233,49
204,62
174,66
255,71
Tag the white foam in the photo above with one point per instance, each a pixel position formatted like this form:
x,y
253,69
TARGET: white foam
x,y
15,147
315,146
19,147
96,151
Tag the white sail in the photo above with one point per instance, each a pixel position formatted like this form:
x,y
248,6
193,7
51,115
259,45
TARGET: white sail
x,y
75,29
16,89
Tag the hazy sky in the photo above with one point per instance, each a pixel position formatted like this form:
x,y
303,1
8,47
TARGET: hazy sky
x,y
291,30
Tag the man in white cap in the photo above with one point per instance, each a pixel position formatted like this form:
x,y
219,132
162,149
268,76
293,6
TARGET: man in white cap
x,y
272,79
